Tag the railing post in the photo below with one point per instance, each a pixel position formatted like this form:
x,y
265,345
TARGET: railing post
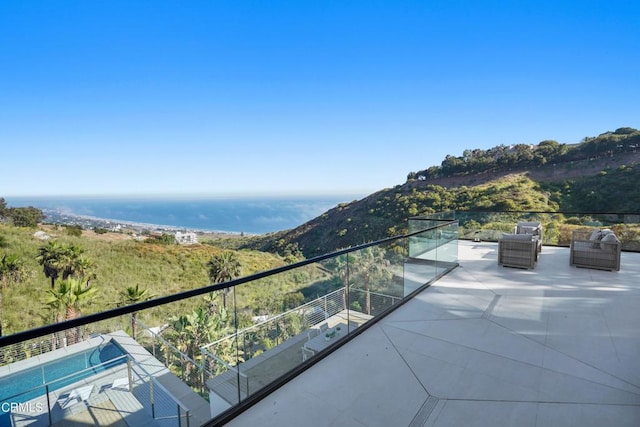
x,y
179,416
326,313
202,378
129,375
238,383
153,407
46,389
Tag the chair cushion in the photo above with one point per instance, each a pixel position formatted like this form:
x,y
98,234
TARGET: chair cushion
x,y
595,235
609,238
528,229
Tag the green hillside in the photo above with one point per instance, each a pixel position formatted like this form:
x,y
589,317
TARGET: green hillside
x,y
597,175
119,263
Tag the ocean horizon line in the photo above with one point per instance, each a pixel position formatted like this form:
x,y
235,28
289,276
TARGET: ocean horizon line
x,y
217,215
192,196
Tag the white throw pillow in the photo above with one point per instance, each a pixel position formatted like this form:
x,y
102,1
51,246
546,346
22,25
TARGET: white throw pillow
x,y
609,238
595,235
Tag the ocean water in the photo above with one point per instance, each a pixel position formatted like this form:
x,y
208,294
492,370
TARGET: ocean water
x,y
236,215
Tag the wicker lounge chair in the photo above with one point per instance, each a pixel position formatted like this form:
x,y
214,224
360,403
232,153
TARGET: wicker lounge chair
x,y
599,249
518,250
530,227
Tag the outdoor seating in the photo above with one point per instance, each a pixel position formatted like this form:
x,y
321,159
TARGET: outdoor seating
x,y
598,249
121,383
76,395
531,227
518,250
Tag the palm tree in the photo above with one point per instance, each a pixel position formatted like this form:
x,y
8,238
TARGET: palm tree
x,y
84,268
75,264
66,261
371,265
50,257
12,271
223,268
71,296
55,304
133,295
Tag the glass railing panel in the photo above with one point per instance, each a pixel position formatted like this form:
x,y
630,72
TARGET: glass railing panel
x,y
277,317
171,335
447,250
625,226
423,243
420,267
629,232
557,226
431,253
376,278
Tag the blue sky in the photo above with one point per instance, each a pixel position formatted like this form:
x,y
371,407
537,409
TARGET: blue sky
x,y
297,97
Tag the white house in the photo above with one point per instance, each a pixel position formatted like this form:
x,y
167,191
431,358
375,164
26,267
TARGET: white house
x,y
186,238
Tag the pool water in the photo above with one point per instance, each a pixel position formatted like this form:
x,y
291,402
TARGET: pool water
x,y
29,383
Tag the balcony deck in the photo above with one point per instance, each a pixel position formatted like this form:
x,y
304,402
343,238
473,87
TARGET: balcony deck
x,y
484,346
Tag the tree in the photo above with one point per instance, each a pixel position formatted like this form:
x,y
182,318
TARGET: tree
x,y
550,149
192,331
223,268
49,257
76,265
67,261
342,271
12,271
70,297
133,295
370,264
24,217
164,239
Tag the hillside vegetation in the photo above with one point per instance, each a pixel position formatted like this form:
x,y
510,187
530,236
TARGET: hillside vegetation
x,y
162,269
597,175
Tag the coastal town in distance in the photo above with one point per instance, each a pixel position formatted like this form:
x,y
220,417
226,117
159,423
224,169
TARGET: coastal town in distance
x,y
137,231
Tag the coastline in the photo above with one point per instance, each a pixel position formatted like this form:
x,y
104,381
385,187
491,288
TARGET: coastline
x,y
231,217
88,222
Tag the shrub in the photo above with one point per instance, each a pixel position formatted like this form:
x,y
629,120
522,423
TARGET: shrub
x,y
73,230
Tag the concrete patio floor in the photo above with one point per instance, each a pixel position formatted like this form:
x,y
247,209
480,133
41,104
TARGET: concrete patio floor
x,y
484,346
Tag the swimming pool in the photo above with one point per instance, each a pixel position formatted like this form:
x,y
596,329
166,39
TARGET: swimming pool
x,y
30,383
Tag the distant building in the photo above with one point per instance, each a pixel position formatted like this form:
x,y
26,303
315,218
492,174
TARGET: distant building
x,y
186,238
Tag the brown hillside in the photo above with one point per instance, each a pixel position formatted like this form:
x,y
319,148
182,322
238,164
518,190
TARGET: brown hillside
x,y
546,173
